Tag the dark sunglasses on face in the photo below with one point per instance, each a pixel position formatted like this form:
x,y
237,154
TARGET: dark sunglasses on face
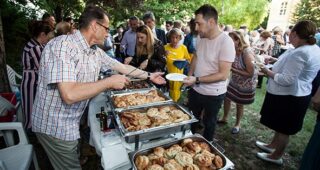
x,y
106,28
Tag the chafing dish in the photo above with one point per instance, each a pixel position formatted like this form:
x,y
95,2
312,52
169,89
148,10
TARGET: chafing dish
x,y
135,85
143,92
154,132
227,164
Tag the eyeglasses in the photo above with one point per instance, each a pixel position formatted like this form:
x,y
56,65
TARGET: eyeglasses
x,y
106,28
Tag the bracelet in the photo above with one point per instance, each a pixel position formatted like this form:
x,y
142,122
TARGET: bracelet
x,y
149,75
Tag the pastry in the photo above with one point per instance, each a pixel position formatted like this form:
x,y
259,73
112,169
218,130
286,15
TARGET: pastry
x,y
159,151
155,167
186,141
164,109
184,159
191,167
159,160
204,146
172,151
205,152
218,161
152,112
172,165
203,159
194,146
142,162
189,151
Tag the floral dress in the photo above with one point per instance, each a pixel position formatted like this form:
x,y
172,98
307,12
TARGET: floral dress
x,y
241,89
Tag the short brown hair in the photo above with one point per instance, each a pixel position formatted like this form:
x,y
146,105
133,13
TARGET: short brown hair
x,y
265,34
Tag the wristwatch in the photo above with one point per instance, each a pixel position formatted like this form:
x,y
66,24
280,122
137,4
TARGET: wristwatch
x,y
149,75
197,80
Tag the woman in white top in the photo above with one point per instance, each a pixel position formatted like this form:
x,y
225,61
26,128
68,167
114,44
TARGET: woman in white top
x,y
288,90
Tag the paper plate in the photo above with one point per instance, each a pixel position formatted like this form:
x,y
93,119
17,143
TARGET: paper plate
x,y
175,77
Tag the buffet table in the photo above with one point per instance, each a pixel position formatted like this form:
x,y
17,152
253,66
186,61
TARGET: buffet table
x,y
111,146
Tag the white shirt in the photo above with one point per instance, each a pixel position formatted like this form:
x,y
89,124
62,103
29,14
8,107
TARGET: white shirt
x,y
209,54
295,71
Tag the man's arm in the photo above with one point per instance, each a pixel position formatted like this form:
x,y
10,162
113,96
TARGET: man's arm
x,y
131,71
72,92
193,64
221,75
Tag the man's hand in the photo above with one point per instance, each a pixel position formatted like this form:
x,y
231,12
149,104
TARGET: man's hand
x,y
157,78
127,60
189,81
117,81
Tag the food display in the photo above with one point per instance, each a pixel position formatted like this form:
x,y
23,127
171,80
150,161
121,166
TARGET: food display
x,y
134,99
135,85
152,117
153,121
187,154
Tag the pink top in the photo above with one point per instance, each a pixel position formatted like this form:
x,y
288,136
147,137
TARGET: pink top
x,y
209,53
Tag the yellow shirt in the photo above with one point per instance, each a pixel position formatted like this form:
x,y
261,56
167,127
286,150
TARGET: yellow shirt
x,y
176,53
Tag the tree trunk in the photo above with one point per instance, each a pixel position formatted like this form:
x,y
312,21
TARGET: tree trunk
x,y
4,81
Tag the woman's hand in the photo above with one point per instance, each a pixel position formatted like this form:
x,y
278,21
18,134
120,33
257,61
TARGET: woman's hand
x,y
128,60
157,78
144,64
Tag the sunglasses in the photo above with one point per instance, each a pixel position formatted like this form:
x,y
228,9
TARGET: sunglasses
x,y
106,28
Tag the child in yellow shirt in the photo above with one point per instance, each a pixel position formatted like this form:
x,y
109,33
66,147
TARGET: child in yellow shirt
x,y
175,51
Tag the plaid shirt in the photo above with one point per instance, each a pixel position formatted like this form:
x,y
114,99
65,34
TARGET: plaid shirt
x,y
66,58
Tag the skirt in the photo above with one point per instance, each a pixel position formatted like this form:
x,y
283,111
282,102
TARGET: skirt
x,y
285,113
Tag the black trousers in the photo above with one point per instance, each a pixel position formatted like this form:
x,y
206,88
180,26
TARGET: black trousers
x,y
211,106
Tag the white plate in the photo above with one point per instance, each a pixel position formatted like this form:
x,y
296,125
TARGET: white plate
x,y
175,77
174,59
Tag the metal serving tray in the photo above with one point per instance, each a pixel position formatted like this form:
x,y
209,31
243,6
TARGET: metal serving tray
x,y
198,138
148,85
154,132
167,99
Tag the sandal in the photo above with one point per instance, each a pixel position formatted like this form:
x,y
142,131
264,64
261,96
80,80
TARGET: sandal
x,y
222,121
235,130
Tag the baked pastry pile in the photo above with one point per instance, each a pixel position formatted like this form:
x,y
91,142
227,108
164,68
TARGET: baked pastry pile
x,y
189,155
152,117
137,99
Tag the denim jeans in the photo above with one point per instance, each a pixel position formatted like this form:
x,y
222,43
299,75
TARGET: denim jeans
x,y
211,106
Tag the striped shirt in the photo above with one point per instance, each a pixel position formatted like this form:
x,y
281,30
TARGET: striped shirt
x,y
30,61
66,58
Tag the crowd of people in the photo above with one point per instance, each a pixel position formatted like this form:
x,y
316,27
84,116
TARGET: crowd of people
x,y
61,64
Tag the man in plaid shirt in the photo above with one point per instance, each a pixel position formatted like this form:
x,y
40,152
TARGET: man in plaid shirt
x,y
68,73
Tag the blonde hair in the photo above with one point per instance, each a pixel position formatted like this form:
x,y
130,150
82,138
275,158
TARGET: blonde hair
x,y
237,35
174,31
148,48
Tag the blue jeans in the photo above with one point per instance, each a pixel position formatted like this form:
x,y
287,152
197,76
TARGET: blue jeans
x,y
211,106
311,156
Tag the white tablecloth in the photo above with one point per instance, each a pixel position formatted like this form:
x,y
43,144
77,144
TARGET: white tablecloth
x,y
111,146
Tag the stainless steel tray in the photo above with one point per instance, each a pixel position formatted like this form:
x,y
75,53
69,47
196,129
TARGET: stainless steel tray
x,y
154,132
167,99
149,86
198,138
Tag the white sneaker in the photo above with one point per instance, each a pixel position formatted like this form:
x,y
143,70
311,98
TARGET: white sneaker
x,y
263,146
264,156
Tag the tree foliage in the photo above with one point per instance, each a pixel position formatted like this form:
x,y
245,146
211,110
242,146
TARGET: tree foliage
x,y
308,10
61,8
